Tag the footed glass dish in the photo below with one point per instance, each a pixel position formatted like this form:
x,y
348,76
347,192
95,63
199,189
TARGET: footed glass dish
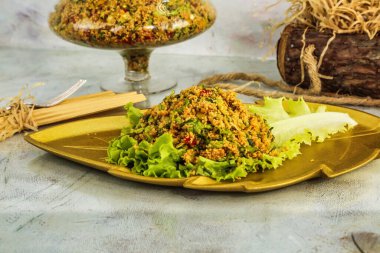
x,y
134,28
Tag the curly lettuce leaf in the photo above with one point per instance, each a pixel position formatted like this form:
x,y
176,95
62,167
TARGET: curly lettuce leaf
x,y
219,170
301,124
312,127
133,114
164,158
295,108
273,110
160,159
292,122
236,169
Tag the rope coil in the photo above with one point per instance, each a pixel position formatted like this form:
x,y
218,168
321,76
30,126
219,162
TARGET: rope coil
x,y
224,81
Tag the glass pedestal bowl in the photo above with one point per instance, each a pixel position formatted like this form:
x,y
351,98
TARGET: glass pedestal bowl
x,y
134,28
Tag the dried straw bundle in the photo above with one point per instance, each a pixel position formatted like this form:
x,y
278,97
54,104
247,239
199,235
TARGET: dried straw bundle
x,y
341,16
18,116
16,119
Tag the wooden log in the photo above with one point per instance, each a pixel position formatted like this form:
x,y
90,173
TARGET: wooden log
x,y
353,60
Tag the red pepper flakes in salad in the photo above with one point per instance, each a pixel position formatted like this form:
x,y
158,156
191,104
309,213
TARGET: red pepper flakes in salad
x,y
208,121
209,132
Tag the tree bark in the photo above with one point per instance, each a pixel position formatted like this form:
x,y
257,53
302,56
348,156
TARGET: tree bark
x,y
353,60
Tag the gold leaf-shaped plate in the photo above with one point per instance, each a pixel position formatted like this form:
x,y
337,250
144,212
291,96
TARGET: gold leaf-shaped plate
x,y
86,142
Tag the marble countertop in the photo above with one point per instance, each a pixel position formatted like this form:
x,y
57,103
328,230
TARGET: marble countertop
x,y
48,204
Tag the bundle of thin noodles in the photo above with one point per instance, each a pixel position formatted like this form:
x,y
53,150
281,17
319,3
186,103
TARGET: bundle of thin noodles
x,y
340,16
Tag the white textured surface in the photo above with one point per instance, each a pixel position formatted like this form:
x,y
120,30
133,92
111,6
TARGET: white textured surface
x,y
238,30
48,204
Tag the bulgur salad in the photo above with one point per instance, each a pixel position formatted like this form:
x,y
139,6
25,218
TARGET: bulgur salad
x,y
209,132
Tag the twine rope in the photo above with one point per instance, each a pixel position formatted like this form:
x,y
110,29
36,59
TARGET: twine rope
x,y
224,81
312,69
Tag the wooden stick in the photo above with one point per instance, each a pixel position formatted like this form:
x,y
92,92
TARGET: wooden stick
x,y
94,95
83,106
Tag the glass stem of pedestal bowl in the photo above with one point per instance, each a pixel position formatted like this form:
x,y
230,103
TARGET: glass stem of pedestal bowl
x,y
136,64
137,77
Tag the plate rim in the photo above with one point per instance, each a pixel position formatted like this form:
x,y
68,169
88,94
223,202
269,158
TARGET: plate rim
x,y
321,170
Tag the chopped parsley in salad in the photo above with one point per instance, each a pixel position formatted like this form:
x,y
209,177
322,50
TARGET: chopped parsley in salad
x,y
209,132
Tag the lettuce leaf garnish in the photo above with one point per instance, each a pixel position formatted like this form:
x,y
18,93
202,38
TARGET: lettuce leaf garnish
x,y
133,114
300,124
158,160
293,123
